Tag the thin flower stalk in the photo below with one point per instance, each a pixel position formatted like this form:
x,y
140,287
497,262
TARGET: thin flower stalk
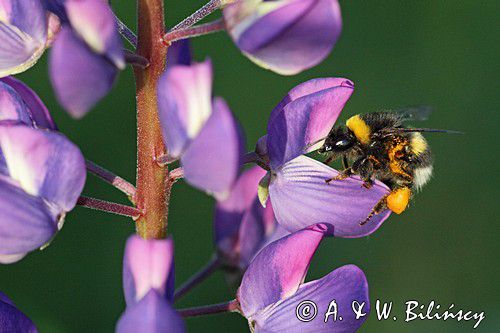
x,y
231,306
108,207
197,278
194,31
126,33
109,177
201,13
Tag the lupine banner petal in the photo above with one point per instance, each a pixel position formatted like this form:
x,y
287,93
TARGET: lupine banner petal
x,y
301,197
25,222
185,104
295,128
213,160
46,164
148,264
11,105
286,36
23,35
279,269
307,88
79,76
345,285
94,22
37,109
152,314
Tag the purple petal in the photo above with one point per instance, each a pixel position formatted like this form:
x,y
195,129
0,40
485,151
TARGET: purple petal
x,y
252,233
184,102
38,111
279,269
147,265
229,212
79,76
25,222
153,314
94,22
45,164
213,159
12,320
11,106
301,197
285,36
296,127
179,53
56,7
23,34
345,285
308,88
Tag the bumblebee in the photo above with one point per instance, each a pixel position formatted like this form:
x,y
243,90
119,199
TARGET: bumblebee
x,y
381,147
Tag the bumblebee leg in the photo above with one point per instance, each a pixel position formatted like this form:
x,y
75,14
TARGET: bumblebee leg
x,y
379,208
341,176
366,172
345,162
367,183
396,201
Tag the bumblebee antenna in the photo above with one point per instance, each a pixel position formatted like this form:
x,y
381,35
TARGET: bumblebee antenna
x,y
427,130
314,143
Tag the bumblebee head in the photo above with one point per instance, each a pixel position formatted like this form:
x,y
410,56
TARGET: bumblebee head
x,y
340,140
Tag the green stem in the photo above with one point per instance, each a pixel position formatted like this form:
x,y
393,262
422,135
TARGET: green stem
x,y
153,184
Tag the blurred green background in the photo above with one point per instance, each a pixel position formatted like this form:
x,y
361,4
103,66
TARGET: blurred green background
x,y
399,53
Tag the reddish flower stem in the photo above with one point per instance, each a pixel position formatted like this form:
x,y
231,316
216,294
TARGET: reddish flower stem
x,y
153,183
198,277
231,306
109,177
108,207
198,30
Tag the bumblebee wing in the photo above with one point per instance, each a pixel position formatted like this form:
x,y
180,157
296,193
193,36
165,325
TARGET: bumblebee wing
x,y
422,130
418,113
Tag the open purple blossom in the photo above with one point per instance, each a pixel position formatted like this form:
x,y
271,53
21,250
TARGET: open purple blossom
x,y
12,320
148,281
273,287
86,55
199,131
296,185
242,226
41,173
23,35
285,36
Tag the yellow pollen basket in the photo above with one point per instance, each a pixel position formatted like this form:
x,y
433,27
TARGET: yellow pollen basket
x,y
398,200
359,128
